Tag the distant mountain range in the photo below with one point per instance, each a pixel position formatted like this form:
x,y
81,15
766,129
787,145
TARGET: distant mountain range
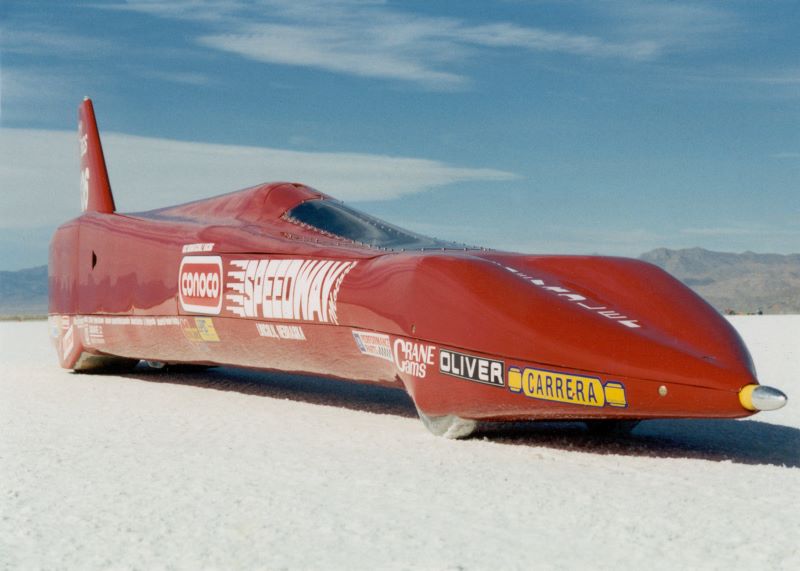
x,y
741,283
24,293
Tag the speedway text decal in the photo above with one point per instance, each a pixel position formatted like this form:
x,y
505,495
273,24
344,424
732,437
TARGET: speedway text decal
x,y
298,290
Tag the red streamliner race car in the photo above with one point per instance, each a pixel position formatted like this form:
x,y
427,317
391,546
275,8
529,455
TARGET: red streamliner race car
x,y
281,276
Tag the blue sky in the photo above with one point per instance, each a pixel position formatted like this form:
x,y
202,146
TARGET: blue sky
x,y
547,127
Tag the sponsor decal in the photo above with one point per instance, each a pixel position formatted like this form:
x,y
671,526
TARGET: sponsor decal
x,y
200,284
374,344
68,341
579,299
564,387
413,358
83,138
205,329
281,331
190,331
92,334
54,322
471,368
296,290
194,248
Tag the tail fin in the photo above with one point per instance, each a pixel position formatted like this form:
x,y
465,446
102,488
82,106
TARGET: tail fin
x,y
95,189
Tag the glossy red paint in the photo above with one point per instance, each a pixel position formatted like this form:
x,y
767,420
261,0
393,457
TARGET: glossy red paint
x,y
468,332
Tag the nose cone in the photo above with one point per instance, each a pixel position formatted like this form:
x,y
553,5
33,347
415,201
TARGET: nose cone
x,y
759,397
629,319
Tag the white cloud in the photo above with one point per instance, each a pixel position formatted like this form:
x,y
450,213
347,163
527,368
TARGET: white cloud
x,y
370,39
39,173
29,94
45,40
173,76
332,49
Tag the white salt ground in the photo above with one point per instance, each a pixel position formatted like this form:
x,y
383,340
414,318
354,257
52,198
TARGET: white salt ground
x,y
234,469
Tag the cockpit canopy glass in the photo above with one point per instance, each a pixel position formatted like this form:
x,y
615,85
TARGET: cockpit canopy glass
x,y
334,218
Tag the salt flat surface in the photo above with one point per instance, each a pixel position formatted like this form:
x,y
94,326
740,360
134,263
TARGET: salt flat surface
x,y
234,469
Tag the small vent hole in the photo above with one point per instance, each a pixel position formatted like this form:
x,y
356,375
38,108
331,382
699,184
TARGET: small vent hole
x,y
94,259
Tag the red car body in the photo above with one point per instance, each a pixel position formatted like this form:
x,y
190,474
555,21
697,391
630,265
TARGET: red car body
x,y
470,334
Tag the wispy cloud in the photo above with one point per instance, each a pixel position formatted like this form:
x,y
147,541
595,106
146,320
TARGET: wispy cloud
x,y
780,77
173,76
47,41
28,94
38,171
372,39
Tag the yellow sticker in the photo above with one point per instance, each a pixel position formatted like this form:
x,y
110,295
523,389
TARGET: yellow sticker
x,y
189,332
562,387
615,394
205,328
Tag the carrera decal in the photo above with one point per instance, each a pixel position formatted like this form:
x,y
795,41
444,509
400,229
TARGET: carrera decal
x,y
296,290
582,301
200,284
471,368
206,329
413,358
281,331
374,344
563,387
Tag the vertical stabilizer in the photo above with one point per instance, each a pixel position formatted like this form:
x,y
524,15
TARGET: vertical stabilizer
x,y
95,188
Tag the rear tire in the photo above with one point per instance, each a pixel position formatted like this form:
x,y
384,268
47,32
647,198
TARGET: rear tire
x,y
449,426
90,363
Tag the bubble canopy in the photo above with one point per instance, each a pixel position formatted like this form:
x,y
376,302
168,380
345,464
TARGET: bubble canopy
x,y
334,218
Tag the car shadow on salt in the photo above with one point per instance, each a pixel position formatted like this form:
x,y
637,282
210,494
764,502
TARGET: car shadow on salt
x,y
325,391
739,441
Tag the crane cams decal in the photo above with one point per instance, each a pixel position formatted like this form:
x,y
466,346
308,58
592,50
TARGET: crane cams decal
x,y
200,284
564,387
413,358
471,368
296,290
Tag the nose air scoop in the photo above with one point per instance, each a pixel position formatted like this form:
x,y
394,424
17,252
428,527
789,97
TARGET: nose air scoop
x,y
759,397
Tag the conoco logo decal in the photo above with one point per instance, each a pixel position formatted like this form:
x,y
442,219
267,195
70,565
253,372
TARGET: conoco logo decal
x,y
200,284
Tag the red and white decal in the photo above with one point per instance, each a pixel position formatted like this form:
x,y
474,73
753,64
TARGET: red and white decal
x,y
200,284
296,290
607,312
413,358
374,344
194,248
